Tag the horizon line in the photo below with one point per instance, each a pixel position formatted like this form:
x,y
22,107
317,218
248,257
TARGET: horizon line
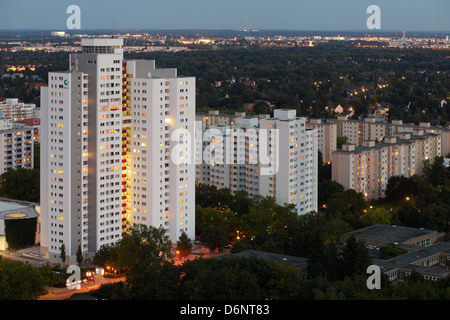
x,y
221,29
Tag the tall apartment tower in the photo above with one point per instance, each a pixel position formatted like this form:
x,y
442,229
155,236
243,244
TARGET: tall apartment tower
x,y
102,149
295,182
274,157
159,130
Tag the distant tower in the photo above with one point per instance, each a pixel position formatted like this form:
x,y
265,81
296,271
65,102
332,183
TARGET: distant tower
x,y
404,38
245,24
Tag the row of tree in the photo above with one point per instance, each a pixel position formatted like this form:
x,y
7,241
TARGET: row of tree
x,y
152,275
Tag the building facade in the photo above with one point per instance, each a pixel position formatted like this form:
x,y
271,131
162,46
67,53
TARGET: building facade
x,y
367,168
358,131
274,157
16,144
11,108
107,126
326,137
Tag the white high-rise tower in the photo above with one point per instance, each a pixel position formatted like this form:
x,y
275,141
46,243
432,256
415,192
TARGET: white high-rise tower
x,y
107,125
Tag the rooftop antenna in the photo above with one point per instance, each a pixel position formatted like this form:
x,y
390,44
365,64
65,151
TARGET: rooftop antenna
x,y
245,24
114,28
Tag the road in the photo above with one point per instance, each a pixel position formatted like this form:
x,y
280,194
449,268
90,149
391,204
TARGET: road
x,y
64,293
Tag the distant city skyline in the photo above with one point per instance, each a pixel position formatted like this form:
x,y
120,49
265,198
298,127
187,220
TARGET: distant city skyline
x,y
320,15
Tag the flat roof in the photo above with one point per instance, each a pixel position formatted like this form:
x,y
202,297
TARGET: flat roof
x,y
13,210
382,144
300,262
410,261
403,124
389,233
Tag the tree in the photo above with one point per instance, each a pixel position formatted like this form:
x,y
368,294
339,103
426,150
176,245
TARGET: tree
x,y
20,184
435,217
79,255
19,281
340,140
101,257
184,245
240,245
377,215
20,233
400,187
315,257
62,254
239,278
391,250
326,189
261,107
347,202
436,173
215,237
141,252
355,257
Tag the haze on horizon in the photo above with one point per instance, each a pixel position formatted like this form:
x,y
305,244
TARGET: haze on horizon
x,y
317,15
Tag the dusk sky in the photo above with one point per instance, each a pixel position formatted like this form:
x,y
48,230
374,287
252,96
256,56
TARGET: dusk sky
x,y
317,15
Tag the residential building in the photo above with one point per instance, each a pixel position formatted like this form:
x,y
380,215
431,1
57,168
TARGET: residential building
x,y
274,156
367,168
358,131
105,150
16,144
326,137
11,108
215,118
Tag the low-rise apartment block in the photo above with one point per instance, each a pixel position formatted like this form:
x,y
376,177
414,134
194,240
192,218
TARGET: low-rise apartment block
x,y
16,145
358,131
367,168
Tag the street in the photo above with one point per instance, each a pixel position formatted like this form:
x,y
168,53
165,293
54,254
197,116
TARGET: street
x,y
65,293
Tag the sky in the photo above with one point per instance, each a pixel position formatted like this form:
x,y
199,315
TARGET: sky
x,y
310,15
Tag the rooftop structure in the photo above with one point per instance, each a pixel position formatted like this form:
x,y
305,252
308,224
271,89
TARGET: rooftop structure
x,y
380,234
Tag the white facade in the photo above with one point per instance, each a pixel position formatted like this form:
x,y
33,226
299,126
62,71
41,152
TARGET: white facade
x,y
270,157
162,181
107,127
16,145
13,109
296,179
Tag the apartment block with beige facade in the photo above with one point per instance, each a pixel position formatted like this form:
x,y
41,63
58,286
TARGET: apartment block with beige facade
x,y
358,131
367,168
